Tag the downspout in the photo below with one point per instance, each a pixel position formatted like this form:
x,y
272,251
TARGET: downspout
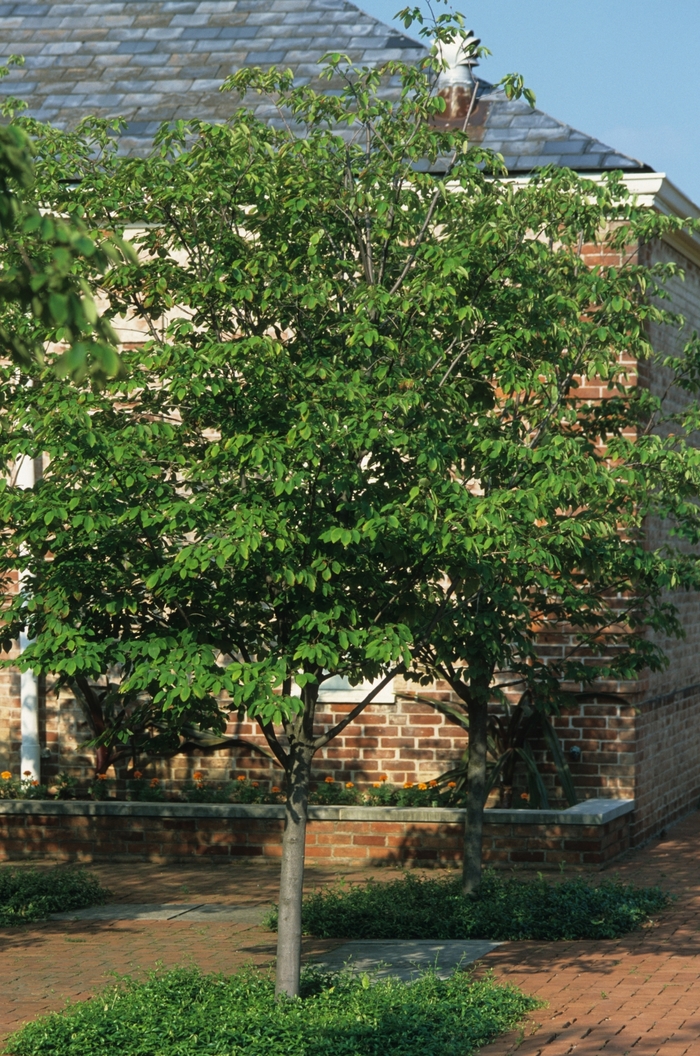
x,y
30,764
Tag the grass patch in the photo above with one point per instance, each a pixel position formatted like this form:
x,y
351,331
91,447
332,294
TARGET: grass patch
x,y
185,1013
418,908
27,895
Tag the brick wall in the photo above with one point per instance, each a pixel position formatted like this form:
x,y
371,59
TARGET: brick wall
x,y
603,729
684,653
202,833
667,723
667,760
405,739
555,846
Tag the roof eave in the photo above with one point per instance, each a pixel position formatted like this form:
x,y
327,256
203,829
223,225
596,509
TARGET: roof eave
x,y
656,191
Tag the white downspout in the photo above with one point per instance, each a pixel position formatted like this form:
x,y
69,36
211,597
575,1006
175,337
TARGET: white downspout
x,y
29,686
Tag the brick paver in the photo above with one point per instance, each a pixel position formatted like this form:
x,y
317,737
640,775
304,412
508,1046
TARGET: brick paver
x,y
638,995
635,996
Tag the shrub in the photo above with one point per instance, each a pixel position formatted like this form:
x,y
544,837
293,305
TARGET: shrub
x,y
28,894
99,788
183,1013
200,792
145,790
336,793
505,908
66,786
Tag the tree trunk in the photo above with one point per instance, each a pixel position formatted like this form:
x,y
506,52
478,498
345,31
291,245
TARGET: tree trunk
x,y
292,876
102,760
478,706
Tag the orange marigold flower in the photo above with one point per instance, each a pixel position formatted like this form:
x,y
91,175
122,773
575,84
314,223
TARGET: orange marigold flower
x,y
101,777
154,782
329,780
35,783
376,784
256,784
27,773
241,777
408,784
451,784
525,795
137,775
432,784
383,777
275,788
349,784
6,775
197,775
422,786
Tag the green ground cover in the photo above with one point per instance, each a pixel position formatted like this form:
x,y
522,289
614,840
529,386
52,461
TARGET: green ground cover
x,y
505,909
27,895
185,1013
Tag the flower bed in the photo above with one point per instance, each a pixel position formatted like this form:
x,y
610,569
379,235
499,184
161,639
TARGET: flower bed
x,y
328,792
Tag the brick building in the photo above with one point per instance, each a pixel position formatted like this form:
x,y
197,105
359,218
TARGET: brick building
x,y
156,60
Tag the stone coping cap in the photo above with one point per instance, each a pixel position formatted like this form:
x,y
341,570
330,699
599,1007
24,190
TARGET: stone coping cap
x,y
590,812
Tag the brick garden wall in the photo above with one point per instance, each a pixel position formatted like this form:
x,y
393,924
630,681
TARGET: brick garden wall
x,y
92,832
649,751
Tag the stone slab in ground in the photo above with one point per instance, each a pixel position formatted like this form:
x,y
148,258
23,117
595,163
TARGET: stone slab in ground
x,y
405,959
167,911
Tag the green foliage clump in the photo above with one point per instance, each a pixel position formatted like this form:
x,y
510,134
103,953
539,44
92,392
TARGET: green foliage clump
x,y
504,909
186,1013
66,786
242,790
336,793
21,788
146,790
383,794
27,895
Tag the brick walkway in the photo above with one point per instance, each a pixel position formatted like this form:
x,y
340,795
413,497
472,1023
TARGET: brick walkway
x,y
44,966
638,995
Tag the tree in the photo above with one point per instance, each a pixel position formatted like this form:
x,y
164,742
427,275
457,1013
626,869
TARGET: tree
x,y
293,480
564,485
42,296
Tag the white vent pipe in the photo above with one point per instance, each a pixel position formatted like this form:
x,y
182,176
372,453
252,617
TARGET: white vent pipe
x,y
30,765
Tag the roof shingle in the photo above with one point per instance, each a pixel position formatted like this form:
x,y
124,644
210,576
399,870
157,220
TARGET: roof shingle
x,y
163,60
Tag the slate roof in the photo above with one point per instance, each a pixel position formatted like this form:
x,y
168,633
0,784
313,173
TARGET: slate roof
x,y
156,60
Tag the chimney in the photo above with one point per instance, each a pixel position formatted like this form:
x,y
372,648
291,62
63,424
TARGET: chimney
x,y
456,84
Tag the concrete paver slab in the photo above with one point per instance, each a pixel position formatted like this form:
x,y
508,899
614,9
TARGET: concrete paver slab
x,y
405,960
167,911
135,911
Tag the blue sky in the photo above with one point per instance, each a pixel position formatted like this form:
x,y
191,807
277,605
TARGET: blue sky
x,y
625,71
